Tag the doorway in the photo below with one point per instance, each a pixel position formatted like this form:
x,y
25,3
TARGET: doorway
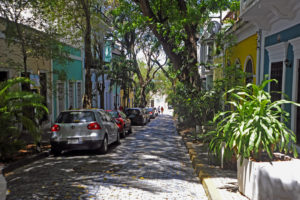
x,y
276,73
3,76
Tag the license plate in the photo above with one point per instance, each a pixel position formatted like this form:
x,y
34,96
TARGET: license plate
x,y
73,141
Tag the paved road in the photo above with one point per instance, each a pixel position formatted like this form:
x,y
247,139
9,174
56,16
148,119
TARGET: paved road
x,y
151,163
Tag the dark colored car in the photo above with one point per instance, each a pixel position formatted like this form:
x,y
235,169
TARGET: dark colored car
x,y
137,116
147,114
123,122
151,112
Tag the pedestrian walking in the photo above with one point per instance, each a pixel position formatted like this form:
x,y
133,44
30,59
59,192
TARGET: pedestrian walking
x,y
162,110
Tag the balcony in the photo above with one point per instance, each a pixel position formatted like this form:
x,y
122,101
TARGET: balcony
x,y
263,13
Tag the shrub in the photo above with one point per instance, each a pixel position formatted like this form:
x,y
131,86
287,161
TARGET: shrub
x,y
254,125
12,117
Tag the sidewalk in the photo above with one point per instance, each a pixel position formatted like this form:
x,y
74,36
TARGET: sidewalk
x,y
218,183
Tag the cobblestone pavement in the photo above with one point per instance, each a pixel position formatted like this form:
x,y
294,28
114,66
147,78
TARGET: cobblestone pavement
x,y
151,163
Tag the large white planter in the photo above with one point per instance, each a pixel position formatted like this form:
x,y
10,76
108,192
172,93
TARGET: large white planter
x,y
2,185
269,181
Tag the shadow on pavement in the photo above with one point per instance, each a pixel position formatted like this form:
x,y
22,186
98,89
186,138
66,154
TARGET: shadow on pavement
x,y
149,159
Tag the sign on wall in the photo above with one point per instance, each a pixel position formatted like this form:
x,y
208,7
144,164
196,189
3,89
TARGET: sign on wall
x,y
107,52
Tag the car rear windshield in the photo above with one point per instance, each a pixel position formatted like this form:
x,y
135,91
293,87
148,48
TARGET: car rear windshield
x,y
133,112
76,117
114,114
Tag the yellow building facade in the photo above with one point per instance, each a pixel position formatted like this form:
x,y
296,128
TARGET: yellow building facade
x,y
128,103
244,54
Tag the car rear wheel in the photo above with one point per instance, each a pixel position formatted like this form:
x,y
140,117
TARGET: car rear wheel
x,y
118,141
56,151
123,133
104,146
130,130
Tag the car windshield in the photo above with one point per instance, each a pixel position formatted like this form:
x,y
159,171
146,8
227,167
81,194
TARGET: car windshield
x,y
75,117
114,114
133,112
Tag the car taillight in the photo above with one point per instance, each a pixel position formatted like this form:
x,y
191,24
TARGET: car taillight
x,y
93,126
55,128
150,113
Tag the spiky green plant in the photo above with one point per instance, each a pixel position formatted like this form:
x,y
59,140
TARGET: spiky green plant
x,y
254,125
12,117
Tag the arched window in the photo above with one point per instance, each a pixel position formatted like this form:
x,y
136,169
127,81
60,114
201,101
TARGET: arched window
x,y
249,71
237,63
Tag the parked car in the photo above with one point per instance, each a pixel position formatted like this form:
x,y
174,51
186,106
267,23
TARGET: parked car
x,y
147,114
82,130
123,122
151,112
155,111
137,116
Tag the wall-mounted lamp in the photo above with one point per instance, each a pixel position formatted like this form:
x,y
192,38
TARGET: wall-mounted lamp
x,y
288,63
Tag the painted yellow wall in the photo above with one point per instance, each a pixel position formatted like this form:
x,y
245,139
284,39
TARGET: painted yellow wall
x,y
242,51
131,97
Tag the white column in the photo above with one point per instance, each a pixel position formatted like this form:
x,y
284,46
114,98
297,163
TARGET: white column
x,y
296,47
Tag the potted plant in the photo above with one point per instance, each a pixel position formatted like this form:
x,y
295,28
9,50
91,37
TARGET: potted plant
x,y
253,129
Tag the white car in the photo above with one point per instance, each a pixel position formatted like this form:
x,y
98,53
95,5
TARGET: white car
x,y
82,130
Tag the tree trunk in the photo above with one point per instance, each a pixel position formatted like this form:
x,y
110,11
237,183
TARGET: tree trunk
x,y
102,92
143,102
185,61
87,100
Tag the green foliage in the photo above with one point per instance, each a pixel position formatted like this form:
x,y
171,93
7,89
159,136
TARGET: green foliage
x,y
254,125
13,103
197,108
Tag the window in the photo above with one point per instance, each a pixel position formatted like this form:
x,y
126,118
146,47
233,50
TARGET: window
x,y
71,95
61,96
79,95
76,117
237,63
249,71
276,73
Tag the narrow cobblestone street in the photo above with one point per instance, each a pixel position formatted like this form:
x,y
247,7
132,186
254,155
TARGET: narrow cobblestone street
x,y
151,163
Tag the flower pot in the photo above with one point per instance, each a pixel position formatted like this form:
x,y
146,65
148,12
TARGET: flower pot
x,y
278,180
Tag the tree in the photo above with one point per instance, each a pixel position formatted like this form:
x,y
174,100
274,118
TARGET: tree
x,y
152,53
176,24
98,59
25,28
74,19
137,39
120,74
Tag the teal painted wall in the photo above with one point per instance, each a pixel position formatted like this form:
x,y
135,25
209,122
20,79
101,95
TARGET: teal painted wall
x,y
73,51
284,36
66,71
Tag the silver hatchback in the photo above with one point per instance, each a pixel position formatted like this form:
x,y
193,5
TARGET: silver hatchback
x,y
82,130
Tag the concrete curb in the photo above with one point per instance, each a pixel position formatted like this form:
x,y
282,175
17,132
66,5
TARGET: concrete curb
x,y
203,174
25,161
201,170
